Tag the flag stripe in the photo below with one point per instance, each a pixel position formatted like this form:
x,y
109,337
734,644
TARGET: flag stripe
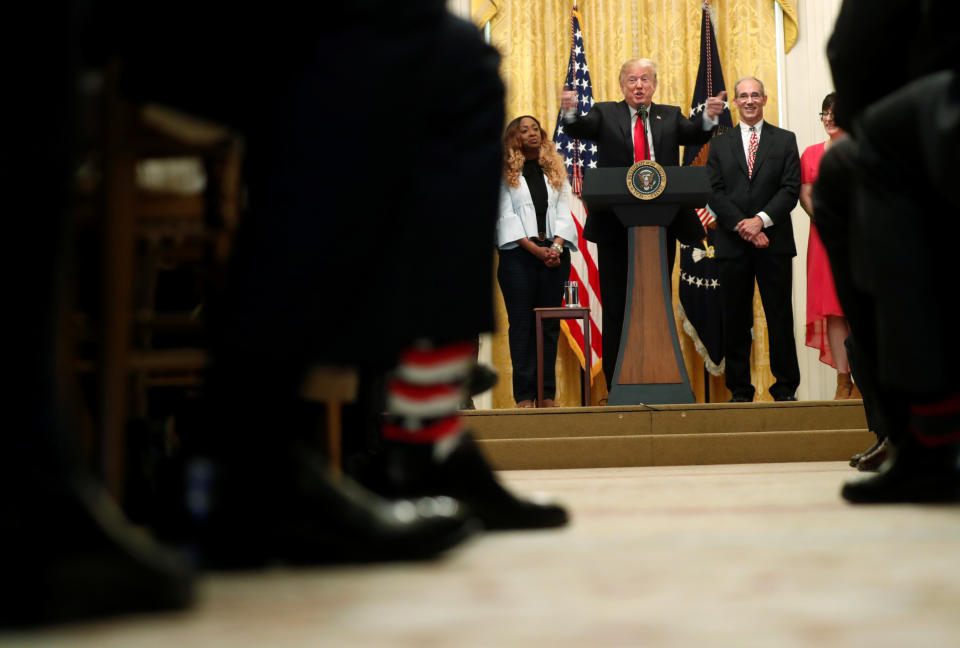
x,y
706,216
580,155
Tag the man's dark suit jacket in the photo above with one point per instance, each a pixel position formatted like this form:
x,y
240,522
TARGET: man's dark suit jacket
x,y
330,262
773,189
313,215
608,123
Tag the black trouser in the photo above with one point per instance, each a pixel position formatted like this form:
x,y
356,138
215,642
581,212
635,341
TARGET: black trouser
x,y
612,264
526,284
41,450
773,273
885,239
834,204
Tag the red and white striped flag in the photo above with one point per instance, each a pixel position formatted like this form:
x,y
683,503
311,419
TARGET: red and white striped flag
x,y
578,155
706,216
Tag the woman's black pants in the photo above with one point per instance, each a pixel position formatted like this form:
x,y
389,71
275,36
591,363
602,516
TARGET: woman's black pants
x,y
526,283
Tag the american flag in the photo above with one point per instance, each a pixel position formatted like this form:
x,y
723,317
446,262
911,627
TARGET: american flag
x,y
709,84
579,155
699,292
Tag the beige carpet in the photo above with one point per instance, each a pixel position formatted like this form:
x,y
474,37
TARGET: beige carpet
x,y
723,555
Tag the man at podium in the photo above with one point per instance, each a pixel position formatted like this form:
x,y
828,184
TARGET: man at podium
x,y
628,131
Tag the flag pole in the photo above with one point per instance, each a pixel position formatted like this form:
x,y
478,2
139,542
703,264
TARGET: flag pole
x,y
709,31
573,40
577,185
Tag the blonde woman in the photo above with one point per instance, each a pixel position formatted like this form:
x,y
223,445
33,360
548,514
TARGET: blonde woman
x,y
535,233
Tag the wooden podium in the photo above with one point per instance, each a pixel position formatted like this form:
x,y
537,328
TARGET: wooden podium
x,y
650,365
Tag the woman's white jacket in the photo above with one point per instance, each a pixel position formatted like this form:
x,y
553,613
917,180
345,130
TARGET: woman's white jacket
x,y
518,218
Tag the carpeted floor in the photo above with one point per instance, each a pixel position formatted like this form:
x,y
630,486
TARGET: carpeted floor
x,y
724,555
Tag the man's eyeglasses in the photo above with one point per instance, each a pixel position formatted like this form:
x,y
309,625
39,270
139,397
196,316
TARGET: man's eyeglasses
x,y
826,115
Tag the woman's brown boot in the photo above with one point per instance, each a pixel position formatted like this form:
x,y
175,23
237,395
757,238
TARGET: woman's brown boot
x,y
844,385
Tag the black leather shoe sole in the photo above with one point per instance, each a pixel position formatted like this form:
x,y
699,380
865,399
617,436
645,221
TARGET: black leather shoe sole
x,y
465,475
308,518
860,455
468,477
482,378
75,557
915,489
910,475
872,460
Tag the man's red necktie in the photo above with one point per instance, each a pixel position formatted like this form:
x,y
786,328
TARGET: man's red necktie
x,y
640,137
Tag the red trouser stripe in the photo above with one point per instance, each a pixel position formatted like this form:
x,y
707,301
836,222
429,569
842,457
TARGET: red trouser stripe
x,y
439,355
428,434
933,440
421,392
948,405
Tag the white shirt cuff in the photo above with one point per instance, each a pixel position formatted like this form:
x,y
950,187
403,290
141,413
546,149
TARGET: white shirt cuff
x,y
709,123
767,221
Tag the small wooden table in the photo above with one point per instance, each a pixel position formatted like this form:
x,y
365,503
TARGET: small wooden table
x,y
562,313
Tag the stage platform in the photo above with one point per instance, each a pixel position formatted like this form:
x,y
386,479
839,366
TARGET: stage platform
x,y
670,435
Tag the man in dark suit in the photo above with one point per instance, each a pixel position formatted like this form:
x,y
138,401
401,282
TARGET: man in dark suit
x,y
322,235
884,199
627,131
755,175
308,247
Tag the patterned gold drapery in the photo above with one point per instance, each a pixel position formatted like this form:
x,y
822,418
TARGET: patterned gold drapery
x,y
483,11
533,37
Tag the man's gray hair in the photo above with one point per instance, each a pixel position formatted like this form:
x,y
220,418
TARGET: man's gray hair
x,y
642,62
763,93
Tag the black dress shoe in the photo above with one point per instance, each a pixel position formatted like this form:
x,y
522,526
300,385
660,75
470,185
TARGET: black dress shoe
x,y
785,398
70,555
910,474
857,457
300,515
740,398
411,470
481,379
871,461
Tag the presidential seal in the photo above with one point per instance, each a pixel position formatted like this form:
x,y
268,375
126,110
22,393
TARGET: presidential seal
x,y
646,179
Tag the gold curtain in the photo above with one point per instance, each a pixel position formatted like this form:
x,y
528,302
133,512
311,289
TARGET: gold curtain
x,y
483,11
533,37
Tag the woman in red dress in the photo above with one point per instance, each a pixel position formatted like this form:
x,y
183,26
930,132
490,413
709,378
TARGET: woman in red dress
x,y
827,328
